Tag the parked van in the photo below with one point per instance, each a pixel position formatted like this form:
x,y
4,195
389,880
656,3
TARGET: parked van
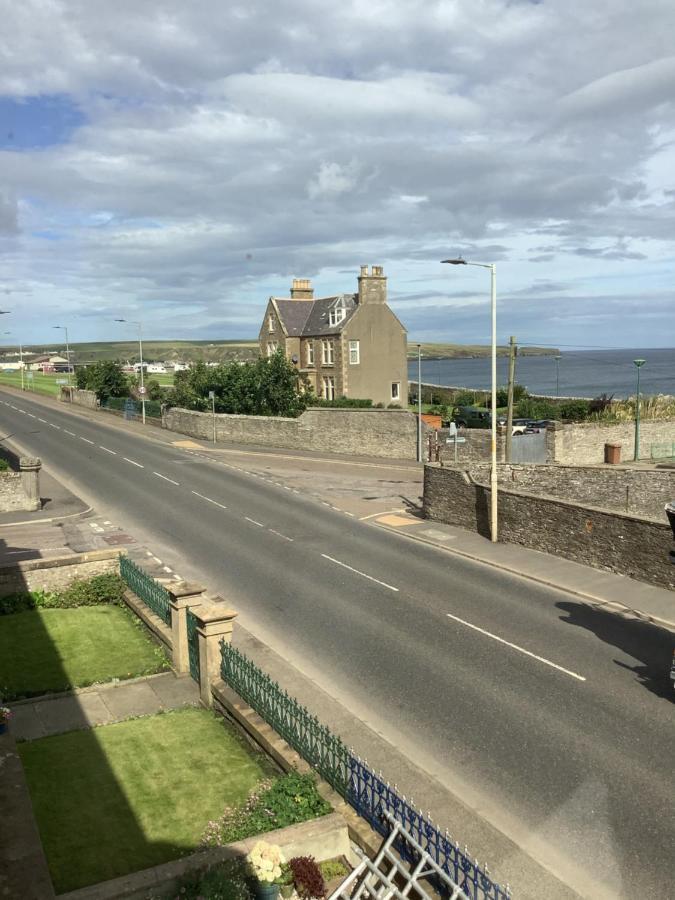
x,y
472,417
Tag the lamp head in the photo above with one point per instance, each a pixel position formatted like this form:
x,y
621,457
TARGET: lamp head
x,y
455,262
639,362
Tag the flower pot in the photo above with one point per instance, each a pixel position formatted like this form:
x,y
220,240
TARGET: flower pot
x,y
286,890
265,890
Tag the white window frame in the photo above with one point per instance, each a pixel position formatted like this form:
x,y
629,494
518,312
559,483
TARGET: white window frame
x,y
328,387
270,323
310,353
336,315
354,353
272,347
396,390
327,353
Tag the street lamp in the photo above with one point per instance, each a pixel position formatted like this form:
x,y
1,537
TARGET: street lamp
x,y
63,328
493,453
557,375
20,360
140,349
638,363
419,403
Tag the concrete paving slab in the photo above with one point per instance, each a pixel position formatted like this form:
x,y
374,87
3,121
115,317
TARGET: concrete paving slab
x,y
173,692
69,713
26,723
137,699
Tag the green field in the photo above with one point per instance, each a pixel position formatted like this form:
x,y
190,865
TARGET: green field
x,y
39,383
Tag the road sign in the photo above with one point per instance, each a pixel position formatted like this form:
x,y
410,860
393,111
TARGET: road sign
x,y
62,381
455,440
142,390
212,395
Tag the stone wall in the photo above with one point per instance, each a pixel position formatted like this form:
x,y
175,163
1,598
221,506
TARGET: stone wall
x,y
584,443
618,488
626,544
57,573
389,433
73,395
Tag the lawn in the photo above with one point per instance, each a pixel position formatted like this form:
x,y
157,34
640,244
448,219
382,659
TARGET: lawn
x,y
125,797
47,650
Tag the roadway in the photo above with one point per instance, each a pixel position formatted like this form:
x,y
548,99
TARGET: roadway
x,y
461,664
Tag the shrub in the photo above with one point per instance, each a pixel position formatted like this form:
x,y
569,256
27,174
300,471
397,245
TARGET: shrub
x,y
307,877
333,868
91,592
4,465
465,398
290,799
575,410
226,881
598,405
344,403
528,408
394,406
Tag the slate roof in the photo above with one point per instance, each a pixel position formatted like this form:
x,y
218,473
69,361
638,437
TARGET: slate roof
x,y
305,318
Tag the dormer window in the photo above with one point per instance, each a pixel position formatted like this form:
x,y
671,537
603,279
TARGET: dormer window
x,y
336,315
270,323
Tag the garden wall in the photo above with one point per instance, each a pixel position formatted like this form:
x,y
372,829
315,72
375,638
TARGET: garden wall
x,y
390,433
57,573
583,443
77,397
607,539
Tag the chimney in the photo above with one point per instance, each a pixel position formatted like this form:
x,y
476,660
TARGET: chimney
x,y
373,286
302,289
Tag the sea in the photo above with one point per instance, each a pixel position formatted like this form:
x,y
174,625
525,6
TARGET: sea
x,y
580,373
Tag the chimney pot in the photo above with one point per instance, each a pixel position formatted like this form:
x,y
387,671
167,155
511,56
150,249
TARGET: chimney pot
x,y
364,270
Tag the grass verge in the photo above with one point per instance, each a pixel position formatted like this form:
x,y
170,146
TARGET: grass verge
x,y
121,798
45,650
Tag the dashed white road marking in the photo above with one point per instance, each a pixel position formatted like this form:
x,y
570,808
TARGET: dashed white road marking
x,y
279,534
133,462
208,499
44,421
71,433
159,475
167,569
87,441
516,647
253,522
362,574
101,447
31,415
52,425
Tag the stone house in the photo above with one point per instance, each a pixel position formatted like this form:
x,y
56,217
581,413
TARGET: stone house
x,y
348,345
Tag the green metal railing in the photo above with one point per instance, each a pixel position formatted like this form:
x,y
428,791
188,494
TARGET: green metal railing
x,y
151,592
313,741
193,645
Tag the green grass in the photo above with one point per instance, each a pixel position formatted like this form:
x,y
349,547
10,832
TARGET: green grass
x,y
124,797
39,383
47,650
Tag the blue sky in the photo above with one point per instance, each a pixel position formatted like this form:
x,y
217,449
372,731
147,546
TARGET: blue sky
x,y
179,163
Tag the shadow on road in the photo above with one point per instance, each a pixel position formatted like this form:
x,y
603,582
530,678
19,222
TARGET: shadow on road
x,y
649,645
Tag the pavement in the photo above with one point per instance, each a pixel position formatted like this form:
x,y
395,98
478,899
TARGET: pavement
x,y
540,716
101,705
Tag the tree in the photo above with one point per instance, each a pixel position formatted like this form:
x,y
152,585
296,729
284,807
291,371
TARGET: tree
x,y
105,378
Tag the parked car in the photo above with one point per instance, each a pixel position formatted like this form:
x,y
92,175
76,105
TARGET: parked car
x,y
472,417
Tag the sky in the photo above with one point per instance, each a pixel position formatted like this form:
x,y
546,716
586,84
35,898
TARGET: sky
x,y
178,163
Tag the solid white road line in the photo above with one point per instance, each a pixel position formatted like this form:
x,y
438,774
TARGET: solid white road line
x,y
253,522
133,462
101,447
362,574
208,499
516,647
159,475
383,512
279,534
86,440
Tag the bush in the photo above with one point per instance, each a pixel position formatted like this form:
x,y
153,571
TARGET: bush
x,y
601,404
290,799
344,403
307,877
574,410
4,465
535,409
333,868
91,592
465,398
225,881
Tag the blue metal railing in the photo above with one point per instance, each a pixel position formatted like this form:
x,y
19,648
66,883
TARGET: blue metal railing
x,y
151,592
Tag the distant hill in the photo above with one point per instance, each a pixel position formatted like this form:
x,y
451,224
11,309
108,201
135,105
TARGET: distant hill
x,y
473,351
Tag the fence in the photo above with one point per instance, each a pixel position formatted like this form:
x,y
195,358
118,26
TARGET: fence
x,y
193,645
662,451
133,408
151,592
369,795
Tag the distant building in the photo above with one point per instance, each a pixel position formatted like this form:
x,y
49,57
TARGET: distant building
x,y
349,345
49,364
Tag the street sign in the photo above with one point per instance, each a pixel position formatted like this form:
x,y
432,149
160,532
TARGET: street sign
x,y
142,390
455,440
62,381
29,375
212,395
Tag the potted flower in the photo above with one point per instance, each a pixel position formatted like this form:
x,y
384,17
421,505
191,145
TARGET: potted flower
x,y
265,861
5,716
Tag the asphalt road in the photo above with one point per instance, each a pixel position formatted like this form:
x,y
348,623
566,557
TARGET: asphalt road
x,y
508,686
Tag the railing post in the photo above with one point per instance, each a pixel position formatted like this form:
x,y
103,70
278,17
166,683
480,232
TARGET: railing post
x,y
182,594
214,623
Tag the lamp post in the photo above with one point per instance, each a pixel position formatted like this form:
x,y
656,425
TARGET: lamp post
x,y
419,403
140,350
557,375
63,328
20,361
494,529
638,363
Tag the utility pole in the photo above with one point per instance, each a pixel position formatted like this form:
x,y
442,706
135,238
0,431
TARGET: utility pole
x,y
513,352
419,403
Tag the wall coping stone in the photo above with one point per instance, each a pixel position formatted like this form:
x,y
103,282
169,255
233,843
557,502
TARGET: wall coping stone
x,y
31,565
